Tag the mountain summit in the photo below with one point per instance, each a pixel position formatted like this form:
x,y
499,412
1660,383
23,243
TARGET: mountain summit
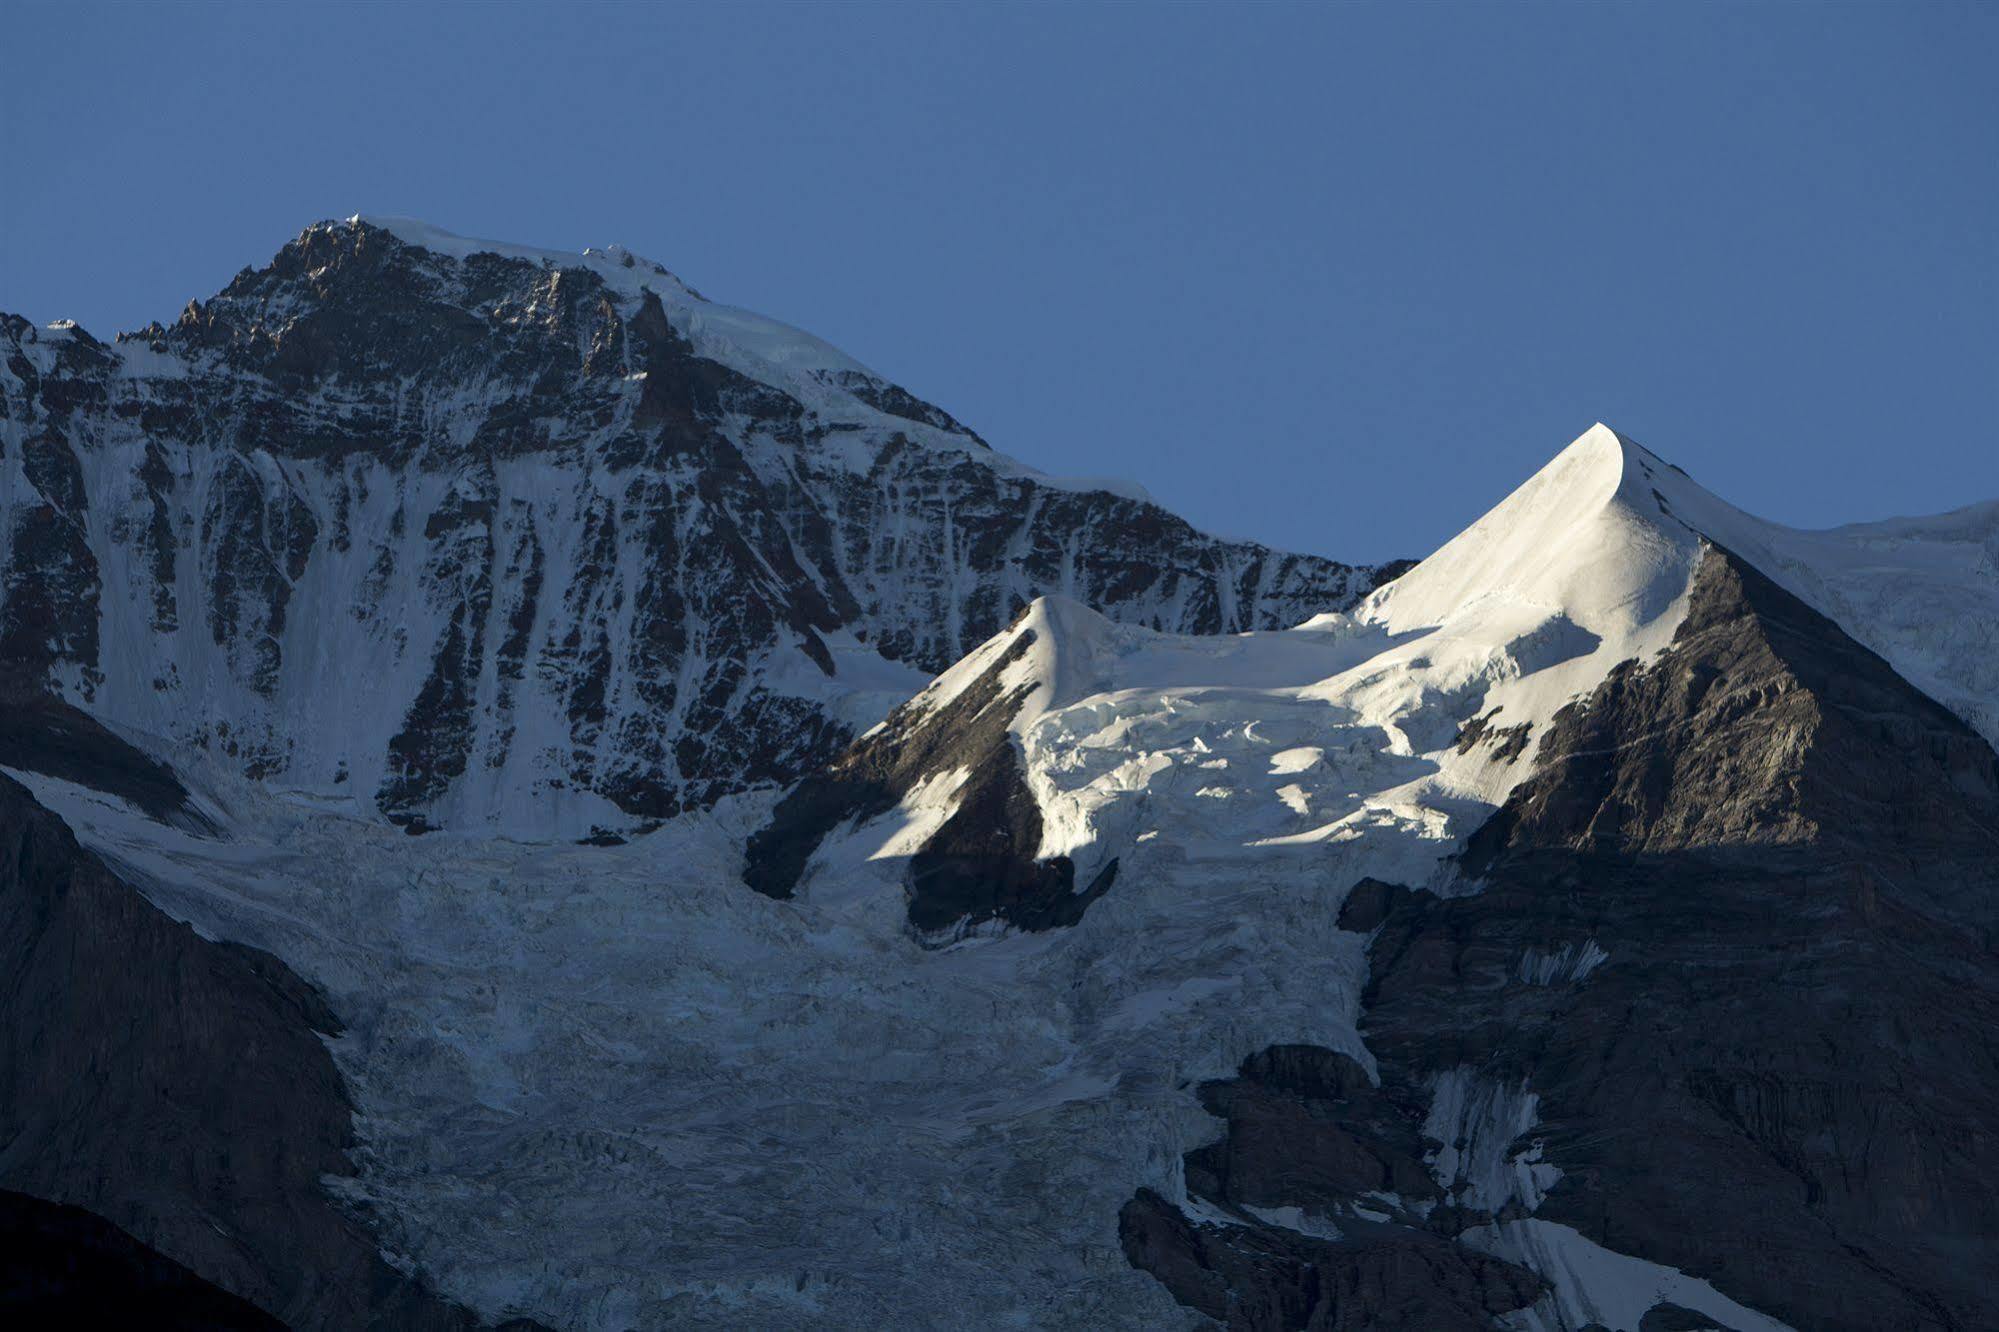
x,y
475,535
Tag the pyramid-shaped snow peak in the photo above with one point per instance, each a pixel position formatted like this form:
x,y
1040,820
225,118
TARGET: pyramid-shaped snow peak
x,y
1607,537
942,783
1606,533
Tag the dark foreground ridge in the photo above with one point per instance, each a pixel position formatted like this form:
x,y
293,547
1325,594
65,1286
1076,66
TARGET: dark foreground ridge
x,y
63,1267
1737,935
41,733
178,1091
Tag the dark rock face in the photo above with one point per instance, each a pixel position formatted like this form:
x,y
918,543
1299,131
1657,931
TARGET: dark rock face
x,y
50,580
178,1090
62,1267
41,733
1508,743
1305,1125
1673,1318
465,537
980,864
1737,935
1269,1279
896,401
1307,1129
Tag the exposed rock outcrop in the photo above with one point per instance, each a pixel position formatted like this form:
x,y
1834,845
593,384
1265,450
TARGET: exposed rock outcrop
x,y
1253,1278
1308,1131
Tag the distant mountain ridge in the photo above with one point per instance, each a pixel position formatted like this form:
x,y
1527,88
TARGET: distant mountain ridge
x,y
472,534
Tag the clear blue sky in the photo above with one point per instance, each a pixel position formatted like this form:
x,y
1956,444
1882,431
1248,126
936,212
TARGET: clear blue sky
x,y
1334,277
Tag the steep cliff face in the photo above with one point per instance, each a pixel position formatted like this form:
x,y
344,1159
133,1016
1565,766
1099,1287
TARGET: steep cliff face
x,y
469,533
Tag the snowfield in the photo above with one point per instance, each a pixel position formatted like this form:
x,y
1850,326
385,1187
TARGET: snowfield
x,y
610,1087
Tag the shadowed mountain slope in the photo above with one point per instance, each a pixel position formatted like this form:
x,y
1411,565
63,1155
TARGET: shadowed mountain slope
x,y
178,1089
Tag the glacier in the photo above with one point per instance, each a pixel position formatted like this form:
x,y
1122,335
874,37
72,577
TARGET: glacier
x,y
608,1086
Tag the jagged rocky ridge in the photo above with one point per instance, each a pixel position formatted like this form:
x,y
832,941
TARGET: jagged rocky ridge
x,y
472,534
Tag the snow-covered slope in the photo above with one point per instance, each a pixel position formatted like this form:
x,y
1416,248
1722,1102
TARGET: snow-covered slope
x,y
477,535
1346,723
612,1087
1414,713
1607,534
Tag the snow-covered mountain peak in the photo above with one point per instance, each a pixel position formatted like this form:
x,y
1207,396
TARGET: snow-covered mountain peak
x,y
336,262
1018,933
623,271
765,349
463,532
1418,706
1592,534
1606,537
1608,533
